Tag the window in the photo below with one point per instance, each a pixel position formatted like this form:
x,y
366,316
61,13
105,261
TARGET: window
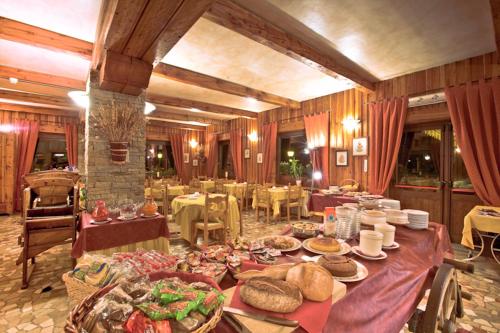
x,y
458,172
50,152
159,159
418,159
293,146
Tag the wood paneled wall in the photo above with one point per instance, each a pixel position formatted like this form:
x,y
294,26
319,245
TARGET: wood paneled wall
x,y
48,124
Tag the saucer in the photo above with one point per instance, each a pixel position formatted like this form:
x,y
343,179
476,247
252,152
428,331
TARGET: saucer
x,y
357,251
109,219
155,214
394,246
121,218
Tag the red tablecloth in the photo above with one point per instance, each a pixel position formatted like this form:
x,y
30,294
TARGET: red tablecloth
x,y
318,201
387,298
117,233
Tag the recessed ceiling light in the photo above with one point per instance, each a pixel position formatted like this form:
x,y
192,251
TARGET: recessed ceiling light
x,y
251,99
195,110
149,107
13,80
79,97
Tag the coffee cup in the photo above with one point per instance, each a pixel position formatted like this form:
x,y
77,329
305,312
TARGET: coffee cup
x,y
370,242
388,231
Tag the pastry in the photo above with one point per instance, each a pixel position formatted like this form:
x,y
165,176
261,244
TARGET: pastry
x,y
270,294
315,282
276,272
338,265
325,244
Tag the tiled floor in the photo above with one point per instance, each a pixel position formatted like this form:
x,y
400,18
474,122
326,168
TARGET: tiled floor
x,y
43,307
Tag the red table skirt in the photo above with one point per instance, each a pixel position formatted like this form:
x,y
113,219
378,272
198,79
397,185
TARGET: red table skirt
x,y
117,233
318,201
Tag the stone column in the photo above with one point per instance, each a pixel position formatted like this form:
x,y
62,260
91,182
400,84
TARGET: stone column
x,y
105,180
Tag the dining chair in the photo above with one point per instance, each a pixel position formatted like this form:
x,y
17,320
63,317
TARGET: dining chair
x,y
250,188
240,195
294,200
202,178
215,218
173,228
263,200
219,186
195,186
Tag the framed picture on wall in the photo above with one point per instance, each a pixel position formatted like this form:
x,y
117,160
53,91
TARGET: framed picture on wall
x,y
186,158
195,163
259,158
341,158
360,146
247,153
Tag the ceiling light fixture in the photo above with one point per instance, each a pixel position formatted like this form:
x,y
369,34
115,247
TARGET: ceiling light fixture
x,y
149,107
80,98
195,110
290,153
13,80
251,100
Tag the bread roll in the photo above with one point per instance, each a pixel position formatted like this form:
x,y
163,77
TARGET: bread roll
x,y
325,244
315,282
275,272
338,265
271,294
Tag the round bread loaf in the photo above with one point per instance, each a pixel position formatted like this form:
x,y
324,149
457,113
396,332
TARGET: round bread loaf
x,y
270,294
338,265
325,244
315,282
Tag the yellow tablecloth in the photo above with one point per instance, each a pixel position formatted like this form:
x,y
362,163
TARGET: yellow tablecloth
x,y
207,185
278,197
186,210
172,190
479,222
159,244
231,188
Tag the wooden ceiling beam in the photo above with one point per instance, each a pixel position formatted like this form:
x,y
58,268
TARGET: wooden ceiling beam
x,y
170,124
38,110
46,100
206,81
37,77
203,106
241,20
28,34
183,117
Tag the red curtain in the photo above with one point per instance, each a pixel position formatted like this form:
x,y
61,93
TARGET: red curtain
x,y
211,154
27,137
269,137
177,142
387,120
71,131
235,146
317,137
475,115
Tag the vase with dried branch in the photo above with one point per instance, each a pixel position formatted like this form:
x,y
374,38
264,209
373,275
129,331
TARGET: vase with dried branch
x,y
117,123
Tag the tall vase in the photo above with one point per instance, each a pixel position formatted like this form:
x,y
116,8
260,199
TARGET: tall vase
x,y
119,152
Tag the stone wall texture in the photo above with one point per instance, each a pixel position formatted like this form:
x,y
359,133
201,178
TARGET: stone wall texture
x,y
105,180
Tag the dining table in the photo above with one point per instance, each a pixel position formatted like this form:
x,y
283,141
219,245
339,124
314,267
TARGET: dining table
x,y
233,187
172,190
207,185
279,196
319,201
387,298
478,219
186,209
148,233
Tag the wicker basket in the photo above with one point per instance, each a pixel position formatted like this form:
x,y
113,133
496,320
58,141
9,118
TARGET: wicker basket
x,y
77,289
79,312
349,185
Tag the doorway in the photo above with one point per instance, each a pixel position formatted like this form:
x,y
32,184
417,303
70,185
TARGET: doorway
x,y
224,162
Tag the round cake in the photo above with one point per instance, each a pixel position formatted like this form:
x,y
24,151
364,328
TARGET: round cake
x,y
338,265
325,244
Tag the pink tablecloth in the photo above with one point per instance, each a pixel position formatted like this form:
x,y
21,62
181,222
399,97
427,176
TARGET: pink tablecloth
x,y
117,233
318,201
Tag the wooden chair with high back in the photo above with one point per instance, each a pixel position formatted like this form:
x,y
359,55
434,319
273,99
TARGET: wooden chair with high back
x,y
195,186
240,195
215,218
262,200
219,186
249,189
50,214
173,228
294,200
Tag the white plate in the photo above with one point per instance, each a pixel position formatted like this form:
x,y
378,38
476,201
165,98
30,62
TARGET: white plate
x,y
394,246
356,250
416,212
121,218
398,221
155,214
109,219
360,275
344,248
297,243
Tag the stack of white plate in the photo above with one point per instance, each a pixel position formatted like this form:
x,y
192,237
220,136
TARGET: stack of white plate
x,y
418,218
390,203
396,216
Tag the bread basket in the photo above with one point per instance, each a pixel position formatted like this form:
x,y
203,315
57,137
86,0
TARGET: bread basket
x,y
349,185
78,313
305,229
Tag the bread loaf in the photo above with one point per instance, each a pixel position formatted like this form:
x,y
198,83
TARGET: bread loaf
x,y
315,282
271,294
276,272
338,265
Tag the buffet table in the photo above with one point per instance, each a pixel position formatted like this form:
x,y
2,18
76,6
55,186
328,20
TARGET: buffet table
x,y
318,201
387,298
186,209
149,233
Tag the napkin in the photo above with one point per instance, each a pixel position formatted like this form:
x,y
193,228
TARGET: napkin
x,y
311,316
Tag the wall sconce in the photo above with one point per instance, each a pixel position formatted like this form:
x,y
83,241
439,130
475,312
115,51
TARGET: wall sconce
x,y
317,175
6,128
160,155
193,143
306,151
350,124
290,153
457,150
310,146
253,136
